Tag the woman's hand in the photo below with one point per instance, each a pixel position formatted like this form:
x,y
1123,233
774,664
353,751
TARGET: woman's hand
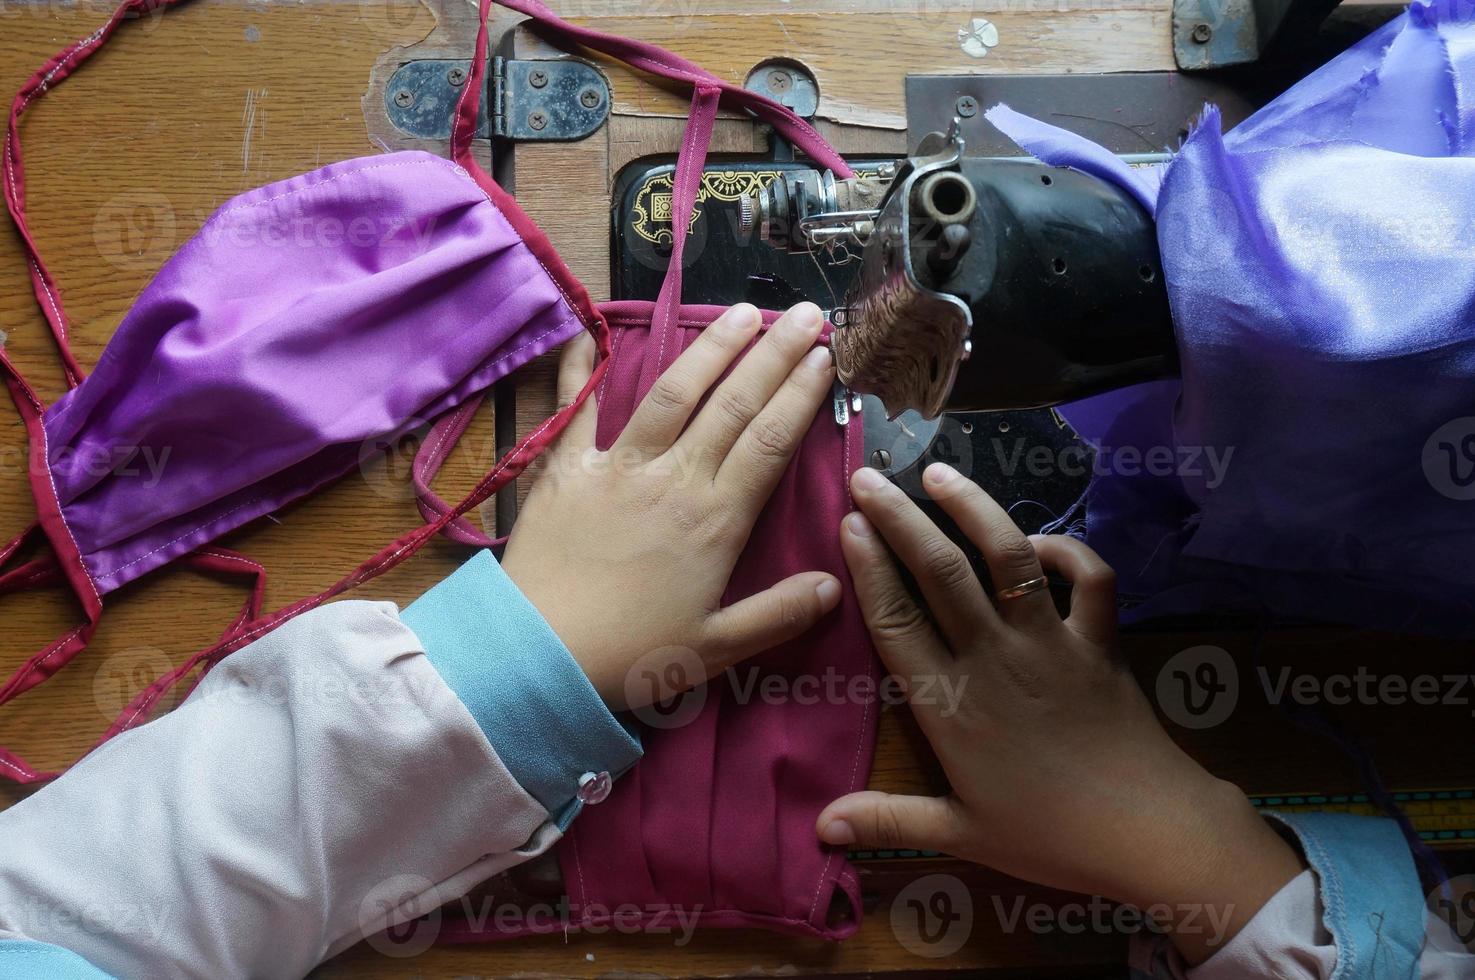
x,y
1060,772
627,552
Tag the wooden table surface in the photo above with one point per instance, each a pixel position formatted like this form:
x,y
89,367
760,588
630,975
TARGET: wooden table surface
x,y
183,110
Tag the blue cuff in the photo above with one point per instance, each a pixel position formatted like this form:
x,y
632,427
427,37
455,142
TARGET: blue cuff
x,y
23,958
521,684
1372,902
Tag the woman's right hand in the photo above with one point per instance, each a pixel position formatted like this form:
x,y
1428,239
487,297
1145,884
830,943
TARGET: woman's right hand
x,y
1060,771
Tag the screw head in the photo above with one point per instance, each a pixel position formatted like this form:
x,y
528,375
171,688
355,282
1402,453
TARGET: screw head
x,y
967,107
779,80
589,98
456,76
538,120
404,98
881,459
538,78
1202,33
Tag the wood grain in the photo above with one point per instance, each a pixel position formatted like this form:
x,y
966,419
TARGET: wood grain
x,y
182,111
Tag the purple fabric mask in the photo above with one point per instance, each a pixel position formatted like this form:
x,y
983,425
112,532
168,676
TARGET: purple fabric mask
x,y
265,355
306,320
1318,263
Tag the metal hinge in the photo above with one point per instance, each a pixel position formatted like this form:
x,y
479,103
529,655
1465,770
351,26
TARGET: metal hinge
x,y
557,99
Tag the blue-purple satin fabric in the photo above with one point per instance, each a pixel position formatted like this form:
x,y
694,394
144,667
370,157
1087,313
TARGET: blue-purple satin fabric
x,y
1320,262
309,322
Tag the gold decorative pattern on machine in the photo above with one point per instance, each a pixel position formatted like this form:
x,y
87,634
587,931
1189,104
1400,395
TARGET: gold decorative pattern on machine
x,y
651,212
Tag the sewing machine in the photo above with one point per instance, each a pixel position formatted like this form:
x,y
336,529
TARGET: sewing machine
x,y
972,288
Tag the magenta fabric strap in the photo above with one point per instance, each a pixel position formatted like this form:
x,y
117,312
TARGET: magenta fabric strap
x,y
658,61
685,185
709,92
49,75
439,441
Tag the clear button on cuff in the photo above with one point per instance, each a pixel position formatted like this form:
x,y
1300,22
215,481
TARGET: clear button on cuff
x,y
594,788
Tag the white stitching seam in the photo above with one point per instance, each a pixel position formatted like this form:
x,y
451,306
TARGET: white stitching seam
x,y
609,371
40,659
61,322
15,768
76,49
218,517
434,458
13,139
870,673
40,88
56,497
242,558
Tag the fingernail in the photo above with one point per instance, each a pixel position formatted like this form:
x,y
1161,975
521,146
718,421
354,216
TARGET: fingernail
x,y
939,474
818,359
867,478
838,832
807,315
744,316
828,592
857,525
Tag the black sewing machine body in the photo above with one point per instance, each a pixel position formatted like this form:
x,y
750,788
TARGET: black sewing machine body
x,y
1001,450
1056,292
1002,284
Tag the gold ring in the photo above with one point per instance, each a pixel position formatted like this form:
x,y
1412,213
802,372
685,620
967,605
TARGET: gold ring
x,y
1022,589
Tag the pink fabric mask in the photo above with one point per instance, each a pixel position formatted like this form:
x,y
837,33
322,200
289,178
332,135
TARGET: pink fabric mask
x,y
717,823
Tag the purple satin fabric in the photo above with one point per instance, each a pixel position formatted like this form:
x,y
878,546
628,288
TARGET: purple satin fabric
x,y
1320,262
308,322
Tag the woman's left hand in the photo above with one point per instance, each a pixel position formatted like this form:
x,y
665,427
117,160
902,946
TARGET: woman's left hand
x,y
1061,774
